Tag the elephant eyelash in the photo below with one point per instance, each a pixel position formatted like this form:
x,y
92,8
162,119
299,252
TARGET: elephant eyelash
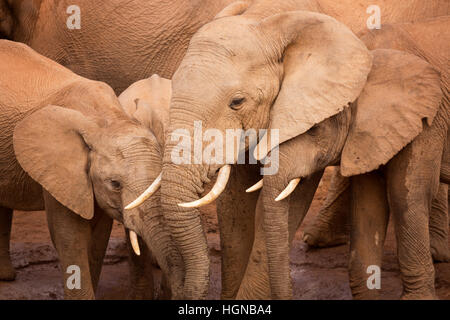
x,y
116,185
236,103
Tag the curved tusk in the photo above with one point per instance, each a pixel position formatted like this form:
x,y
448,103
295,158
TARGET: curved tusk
x,y
135,243
147,194
256,187
219,186
289,189
261,150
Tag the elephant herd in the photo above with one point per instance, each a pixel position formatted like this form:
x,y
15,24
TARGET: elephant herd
x,y
88,117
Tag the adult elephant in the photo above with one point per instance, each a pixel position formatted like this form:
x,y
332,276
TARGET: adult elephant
x,y
67,147
119,42
429,40
207,88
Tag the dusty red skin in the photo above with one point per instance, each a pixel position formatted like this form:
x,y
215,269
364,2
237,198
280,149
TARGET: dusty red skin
x,y
317,274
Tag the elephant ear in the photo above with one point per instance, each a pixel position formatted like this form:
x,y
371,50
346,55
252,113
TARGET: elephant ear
x,y
233,9
325,69
402,90
148,102
50,145
6,20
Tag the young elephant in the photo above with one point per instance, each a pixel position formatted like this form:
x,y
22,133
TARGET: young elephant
x,y
390,142
67,147
429,40
147,101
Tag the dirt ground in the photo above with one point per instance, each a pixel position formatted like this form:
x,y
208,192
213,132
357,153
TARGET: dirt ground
x,y
317,273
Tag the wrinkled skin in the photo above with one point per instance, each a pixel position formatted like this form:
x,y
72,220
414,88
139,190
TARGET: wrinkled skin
x,y
405,186
221,83
143,37
68,147
329,226
147,101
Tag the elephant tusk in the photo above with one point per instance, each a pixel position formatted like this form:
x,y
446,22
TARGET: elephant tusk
x,y
261,150
219,186
135,243
147,194
256,187
289,189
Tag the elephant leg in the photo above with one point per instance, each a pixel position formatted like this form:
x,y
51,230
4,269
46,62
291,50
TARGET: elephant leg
x,y
439,226
7,272
101,226
141,271
71,236
236,216
413,183
331,227
369,221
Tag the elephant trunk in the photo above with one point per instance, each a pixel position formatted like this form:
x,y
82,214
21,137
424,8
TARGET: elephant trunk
x,y
148,222
182,184
276,229
281,221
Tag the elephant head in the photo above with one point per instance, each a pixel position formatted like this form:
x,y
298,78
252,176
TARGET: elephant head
x,y
401,97
285,71
148,102
84,160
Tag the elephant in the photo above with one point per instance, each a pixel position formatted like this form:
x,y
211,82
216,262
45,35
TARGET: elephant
x,y
147,101
215,63
330,226
390,142
107,47
68,147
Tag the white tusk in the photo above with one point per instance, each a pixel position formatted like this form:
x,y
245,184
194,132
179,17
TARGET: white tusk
x,y
289,189
256,187
147,194
219,186
261,149
135,243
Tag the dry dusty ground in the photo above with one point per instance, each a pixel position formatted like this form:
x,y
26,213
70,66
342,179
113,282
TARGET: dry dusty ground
x,y
317,274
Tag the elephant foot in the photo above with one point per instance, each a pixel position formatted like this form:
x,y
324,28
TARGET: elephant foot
x,y
323,237
142,289
367,295
7,272
417,296
440,251
140,295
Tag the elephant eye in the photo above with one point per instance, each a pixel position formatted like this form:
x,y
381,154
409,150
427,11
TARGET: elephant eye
x,y
236,103
116,185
